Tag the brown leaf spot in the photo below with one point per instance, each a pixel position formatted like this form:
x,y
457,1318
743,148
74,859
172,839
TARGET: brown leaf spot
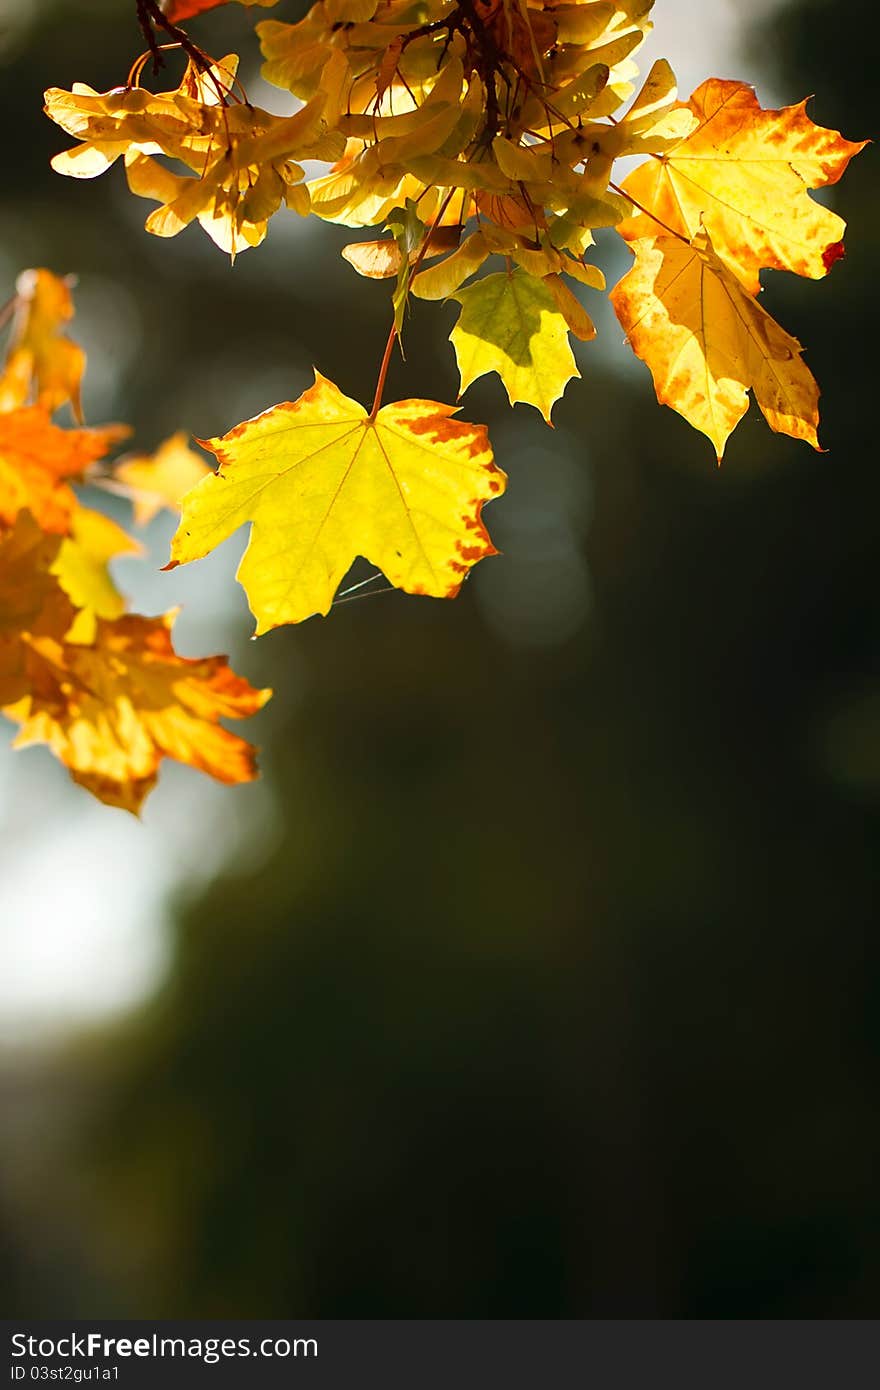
x,y
835,252
468,552
441,429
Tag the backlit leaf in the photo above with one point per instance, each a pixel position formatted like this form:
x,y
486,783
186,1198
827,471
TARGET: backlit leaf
x,y
322,484
37,461
242,158
160,480
31,601
111,710
511,324
43,365
81,567
744,174
707,341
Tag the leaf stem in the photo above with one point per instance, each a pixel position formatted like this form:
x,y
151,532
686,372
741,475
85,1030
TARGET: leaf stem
x,y
653,216
392,336
383,372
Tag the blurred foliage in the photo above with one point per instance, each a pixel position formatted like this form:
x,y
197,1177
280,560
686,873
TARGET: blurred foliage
x,y
554,993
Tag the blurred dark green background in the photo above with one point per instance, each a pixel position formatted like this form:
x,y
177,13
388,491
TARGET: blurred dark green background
x,y
553,991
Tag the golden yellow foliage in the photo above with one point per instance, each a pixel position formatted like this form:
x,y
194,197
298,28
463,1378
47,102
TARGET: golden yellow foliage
x,y
242,158
472,132
323,483
112,709
707,341
43,365
160,480
82,569
744,174
512,325
105,691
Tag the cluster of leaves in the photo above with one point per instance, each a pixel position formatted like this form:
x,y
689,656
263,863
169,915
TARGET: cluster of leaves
x,y
480,138
103,688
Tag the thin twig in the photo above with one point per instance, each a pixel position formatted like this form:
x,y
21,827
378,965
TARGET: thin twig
x,y
150,17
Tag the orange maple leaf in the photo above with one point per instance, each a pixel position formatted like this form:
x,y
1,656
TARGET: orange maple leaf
x,y
177,10
31,601
707,342
744,174
36,460
42,363
111,710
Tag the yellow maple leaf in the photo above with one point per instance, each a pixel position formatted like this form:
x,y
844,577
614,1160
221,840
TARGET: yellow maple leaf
x,y
159,480
42,363
511,324
111,710
323,483
744,173
82,569
37,458
707,341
